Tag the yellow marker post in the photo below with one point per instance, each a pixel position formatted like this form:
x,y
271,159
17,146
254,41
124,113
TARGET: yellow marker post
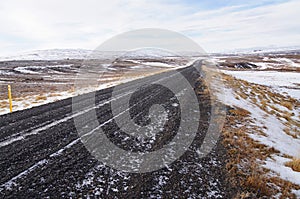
x,y
9,98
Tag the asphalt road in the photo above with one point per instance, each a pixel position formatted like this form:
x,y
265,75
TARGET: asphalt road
x,y
42,156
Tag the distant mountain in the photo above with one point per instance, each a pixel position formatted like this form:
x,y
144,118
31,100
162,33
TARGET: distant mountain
x,y
61,54
150,53
259,50
51,54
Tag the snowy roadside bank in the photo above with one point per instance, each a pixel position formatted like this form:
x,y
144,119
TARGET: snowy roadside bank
x,y
272,100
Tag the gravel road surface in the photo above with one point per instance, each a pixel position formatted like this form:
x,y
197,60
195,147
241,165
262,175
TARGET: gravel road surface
x,y
42,156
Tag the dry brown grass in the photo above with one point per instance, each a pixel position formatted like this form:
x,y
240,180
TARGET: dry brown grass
x,y
71,90
287,104
257,182
54,95
17,99
294,164
288,132
4,104
239,112
40,97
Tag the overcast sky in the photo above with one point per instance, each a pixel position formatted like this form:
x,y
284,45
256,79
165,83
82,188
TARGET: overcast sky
x,y
215,25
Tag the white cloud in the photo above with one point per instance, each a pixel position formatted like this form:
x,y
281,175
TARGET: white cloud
x,y
33,24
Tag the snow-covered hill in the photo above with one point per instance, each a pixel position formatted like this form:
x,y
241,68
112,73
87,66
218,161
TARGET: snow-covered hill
x,y
262,50
51,54
148,53
62,54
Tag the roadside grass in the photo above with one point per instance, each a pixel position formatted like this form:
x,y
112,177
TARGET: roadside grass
x,y
246,155
245,158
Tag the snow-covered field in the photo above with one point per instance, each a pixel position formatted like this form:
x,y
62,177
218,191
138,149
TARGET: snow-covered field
x,y
286,83
50,76
261,60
